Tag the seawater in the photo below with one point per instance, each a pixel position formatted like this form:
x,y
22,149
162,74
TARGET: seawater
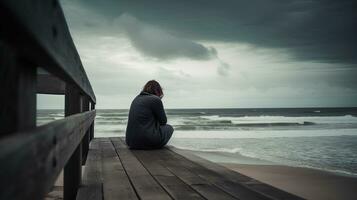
x,y
322,138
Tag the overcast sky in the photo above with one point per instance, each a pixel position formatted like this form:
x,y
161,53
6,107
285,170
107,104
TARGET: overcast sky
x,y
217,53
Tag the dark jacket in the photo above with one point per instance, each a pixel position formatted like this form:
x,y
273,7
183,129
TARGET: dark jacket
x,y
145,117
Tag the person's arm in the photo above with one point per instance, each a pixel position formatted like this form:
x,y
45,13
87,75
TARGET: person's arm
x,y
159,112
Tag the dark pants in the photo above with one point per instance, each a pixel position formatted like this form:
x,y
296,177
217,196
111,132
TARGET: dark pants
x,y
166,133
159,142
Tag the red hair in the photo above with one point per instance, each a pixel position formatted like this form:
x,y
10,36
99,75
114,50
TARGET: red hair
x,y
153,87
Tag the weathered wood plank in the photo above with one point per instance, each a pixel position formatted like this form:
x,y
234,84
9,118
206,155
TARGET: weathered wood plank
x,y
237,178
93,169
116,184
49,84
92,187
177,189
145,185
92,105
18,95
32,161
90,192
205,188
173,185
73,169
212,166
159,164
226,184
85,140
38,30
72,175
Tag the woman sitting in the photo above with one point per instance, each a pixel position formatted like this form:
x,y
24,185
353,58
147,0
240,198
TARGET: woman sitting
x,y
147,128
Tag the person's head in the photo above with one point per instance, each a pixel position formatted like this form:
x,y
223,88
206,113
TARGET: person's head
x,y
153,87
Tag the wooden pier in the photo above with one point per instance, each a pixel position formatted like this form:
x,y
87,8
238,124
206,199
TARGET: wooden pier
x,y
115,172
37,56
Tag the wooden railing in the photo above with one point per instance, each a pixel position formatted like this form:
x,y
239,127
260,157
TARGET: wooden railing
x,y
37,55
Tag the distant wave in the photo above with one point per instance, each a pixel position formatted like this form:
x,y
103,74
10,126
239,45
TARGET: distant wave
x,y
191,121
220,125
119,122
227,134
57,114
111,117
110,131
45,118
283,119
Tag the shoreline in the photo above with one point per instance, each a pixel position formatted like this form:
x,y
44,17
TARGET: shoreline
x,y
305,182
309,183
238,158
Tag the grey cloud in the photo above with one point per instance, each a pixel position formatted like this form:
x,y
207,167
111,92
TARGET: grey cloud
x,y
223,69
157,43
314,30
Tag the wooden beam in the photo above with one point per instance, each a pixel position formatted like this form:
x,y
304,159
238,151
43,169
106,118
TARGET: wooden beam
x,y
104,176
145,185
18,95
92,126
73,169
91,188
49,84
86,138
39,30
32,160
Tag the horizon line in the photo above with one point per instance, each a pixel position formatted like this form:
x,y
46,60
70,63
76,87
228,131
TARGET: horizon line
x,y
353,107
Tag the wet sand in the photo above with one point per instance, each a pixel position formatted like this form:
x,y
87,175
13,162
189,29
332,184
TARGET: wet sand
x,y
307,183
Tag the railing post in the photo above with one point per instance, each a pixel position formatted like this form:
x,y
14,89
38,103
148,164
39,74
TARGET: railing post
x,y
73,168
92,126
18,95
85,140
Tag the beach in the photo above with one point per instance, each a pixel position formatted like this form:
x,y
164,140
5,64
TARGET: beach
x,y
307,183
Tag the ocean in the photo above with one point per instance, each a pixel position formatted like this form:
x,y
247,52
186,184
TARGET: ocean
x,y
319,138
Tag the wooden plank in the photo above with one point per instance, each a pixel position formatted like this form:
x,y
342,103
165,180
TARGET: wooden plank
x,y
116,184
85,140
92,187
90,192
18,95
92,105
92,173
73,169
38,30
49,84
177,189
259,187
31,161
235,189
144,184
212,166
202,186
173,185
72,174
156,160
